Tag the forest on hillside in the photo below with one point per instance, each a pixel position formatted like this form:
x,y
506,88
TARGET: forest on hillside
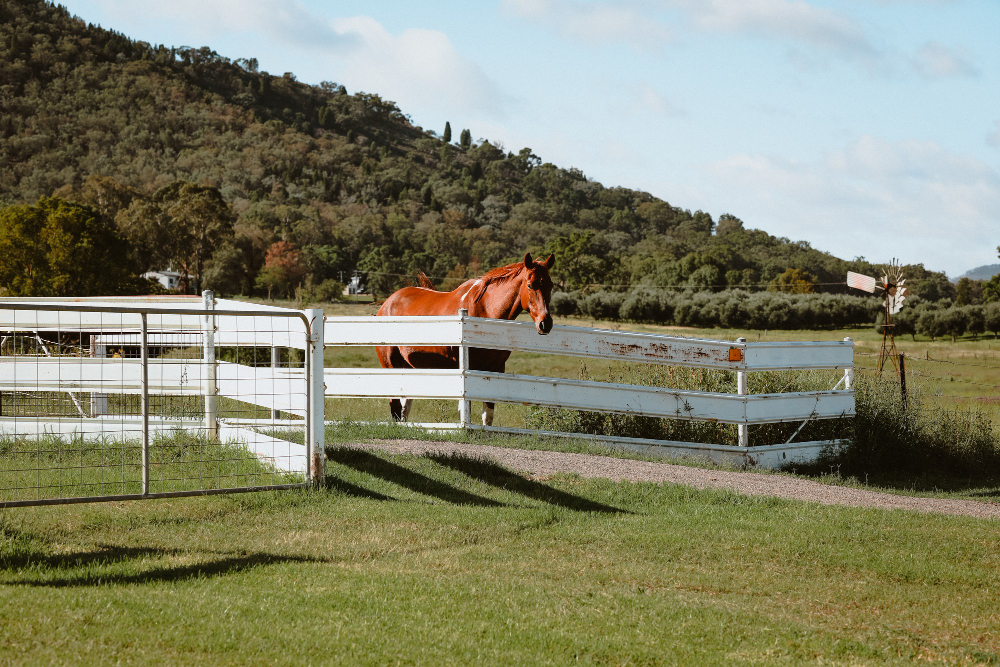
x,y
258,184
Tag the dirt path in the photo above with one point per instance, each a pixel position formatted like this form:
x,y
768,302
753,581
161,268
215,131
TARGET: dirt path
x,y
541,464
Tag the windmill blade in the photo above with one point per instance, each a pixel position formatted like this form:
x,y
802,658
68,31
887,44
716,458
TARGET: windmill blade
x,y
861,282
896,302
896,298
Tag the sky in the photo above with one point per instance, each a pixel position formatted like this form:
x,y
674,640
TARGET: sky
x,y
869,128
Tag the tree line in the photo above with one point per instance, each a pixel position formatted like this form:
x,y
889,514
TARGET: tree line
x,y
258,184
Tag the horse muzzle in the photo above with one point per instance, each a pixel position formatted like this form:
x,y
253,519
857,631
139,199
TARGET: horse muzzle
x,y
545,325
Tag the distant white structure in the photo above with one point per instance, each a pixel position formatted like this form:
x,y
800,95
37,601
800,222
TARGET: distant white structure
x,y
355,286
170,279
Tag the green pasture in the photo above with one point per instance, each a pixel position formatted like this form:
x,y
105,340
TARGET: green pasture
x,y
455,560
34,468
411,560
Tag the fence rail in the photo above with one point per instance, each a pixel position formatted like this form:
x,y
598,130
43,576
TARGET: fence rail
x,y
592,343
464,384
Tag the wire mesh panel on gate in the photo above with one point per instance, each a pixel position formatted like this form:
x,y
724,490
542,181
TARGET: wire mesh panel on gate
x,y
103,403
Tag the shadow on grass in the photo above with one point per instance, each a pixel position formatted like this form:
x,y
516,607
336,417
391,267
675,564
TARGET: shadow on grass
x,y
110,555
373,465
496,475
103,555
354,490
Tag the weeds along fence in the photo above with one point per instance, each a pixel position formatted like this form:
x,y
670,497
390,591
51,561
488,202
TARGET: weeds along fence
x,y
108,399
738,407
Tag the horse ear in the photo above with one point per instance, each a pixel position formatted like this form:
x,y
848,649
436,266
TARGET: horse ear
x,y
527,260
549,262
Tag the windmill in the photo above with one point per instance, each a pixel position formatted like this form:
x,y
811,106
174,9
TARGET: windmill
x,y
893,295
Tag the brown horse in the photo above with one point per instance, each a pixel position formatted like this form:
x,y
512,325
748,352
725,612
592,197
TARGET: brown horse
x,y
501,294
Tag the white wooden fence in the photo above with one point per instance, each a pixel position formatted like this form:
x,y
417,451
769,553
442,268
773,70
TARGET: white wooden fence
x,y
139,366
738,407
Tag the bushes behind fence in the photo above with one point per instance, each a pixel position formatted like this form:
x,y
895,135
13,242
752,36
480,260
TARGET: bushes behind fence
x,y
729,309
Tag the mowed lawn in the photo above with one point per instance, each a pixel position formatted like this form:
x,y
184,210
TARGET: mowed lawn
x,y
451,561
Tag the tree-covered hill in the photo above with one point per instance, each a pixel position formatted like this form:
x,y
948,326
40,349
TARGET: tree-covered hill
x,y
253,182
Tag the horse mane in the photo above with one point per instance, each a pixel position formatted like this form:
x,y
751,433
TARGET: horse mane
x,y
498,275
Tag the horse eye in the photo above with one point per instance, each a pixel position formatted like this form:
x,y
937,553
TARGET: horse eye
x,y
534,285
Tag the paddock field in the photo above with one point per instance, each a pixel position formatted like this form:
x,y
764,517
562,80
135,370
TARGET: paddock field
x,y
448,561
414,560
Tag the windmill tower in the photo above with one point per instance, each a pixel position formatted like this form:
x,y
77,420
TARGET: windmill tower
x,y
893,295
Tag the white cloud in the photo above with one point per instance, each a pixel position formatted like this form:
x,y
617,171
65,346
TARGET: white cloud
x,y
596,22
910,199
283,20
417,68
647,98
647,25
796,21
935,60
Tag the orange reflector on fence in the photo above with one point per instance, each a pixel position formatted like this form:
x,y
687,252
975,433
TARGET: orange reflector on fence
x,y
735,354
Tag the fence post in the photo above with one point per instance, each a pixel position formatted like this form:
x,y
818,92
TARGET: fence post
x,y
902,377
849,372
98,400
742,430
316,398
211,388
144,357
275,363
464,406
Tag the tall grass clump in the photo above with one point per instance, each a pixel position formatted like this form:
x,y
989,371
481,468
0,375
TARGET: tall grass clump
x,y
693,379
921,439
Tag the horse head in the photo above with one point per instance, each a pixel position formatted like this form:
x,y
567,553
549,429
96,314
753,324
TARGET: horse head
x,y
536,290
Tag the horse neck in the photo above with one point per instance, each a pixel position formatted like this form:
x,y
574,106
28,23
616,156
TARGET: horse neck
x,y
503,300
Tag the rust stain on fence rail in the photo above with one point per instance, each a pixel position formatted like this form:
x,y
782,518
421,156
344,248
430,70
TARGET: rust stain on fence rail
x,y
666,351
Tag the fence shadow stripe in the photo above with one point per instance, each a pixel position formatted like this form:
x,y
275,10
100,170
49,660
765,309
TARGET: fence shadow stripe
x,y
103,555
353,490
492,473
219,567
390,472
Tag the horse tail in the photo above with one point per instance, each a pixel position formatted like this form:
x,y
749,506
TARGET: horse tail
x,y
424,281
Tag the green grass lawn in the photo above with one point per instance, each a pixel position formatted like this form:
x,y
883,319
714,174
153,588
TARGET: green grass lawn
x,y
451,561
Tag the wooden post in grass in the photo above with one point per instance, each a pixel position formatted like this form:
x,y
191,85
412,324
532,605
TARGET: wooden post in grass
x,y
902,377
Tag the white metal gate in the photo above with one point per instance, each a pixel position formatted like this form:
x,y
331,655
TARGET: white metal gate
x,y
112,399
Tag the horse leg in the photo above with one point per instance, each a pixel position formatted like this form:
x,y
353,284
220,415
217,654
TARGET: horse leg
x,y
391,357
487,414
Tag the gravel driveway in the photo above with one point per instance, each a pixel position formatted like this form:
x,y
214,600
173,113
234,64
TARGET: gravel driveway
x,y
541,464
